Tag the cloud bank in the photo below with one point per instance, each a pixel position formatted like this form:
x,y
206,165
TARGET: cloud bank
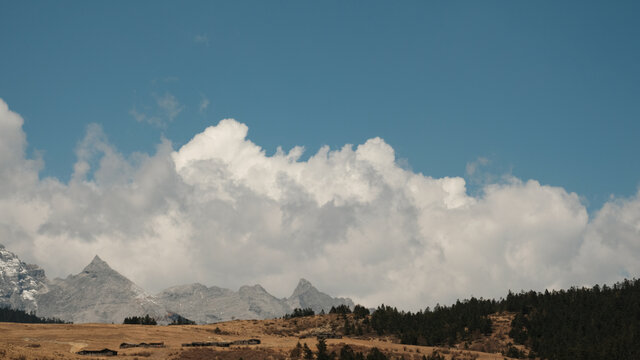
x,y
220,211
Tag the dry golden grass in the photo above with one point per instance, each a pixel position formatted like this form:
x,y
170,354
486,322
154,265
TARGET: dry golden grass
x,y
278,337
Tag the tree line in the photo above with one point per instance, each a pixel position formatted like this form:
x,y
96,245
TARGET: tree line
x,y
298,312
579,323
442,325
587,323
140,320
20,316
302,351
322,353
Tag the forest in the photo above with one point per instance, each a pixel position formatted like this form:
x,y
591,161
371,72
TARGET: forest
x,y
302,351
578,323
298,312
19,316
140,320
444,325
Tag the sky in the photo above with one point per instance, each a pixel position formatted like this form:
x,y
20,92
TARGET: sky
x,y
406,153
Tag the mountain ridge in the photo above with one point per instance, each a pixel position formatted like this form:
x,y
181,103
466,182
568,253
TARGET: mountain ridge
x,y
101,294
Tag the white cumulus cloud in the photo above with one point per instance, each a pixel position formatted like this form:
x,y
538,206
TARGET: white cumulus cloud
x,y
218,210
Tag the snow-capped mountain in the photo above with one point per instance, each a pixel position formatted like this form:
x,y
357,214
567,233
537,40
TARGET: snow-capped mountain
x,y
19,282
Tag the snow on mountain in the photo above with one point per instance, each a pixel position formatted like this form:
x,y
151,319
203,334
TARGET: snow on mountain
x,y
19,282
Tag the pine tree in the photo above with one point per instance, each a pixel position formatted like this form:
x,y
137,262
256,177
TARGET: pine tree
x,y
346,353
347,326
296,352
308,354
322,353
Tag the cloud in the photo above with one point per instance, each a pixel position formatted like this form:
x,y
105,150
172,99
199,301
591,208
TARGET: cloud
x,y
167,108
220,211
204,104
144,118
474,165
201,39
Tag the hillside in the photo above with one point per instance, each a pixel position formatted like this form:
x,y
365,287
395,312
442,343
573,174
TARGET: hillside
x,y
278,338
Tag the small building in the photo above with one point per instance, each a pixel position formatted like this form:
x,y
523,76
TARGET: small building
x,y
152,345
103,352
142,345
207,343
247,342
324,336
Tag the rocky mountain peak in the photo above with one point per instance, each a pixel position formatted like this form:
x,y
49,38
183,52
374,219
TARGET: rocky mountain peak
x,y
97,265
253,289
97,294
303,286
307,296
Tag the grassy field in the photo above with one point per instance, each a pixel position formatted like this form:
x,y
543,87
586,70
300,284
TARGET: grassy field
x,y
278,337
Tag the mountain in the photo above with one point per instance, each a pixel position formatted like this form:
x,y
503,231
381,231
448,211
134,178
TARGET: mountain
x,y
202,304
212,304
19,282
97,294
100,294
263,304
307,296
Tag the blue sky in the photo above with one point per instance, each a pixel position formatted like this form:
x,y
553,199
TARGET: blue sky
x,y
534,104
545,90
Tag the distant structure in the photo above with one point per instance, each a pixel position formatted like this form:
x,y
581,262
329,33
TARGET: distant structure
x,y
142,345
208,343
324,336
246,342
103,352
222,343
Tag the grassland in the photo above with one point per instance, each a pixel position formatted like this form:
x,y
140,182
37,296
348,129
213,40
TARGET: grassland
x,y
278,337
